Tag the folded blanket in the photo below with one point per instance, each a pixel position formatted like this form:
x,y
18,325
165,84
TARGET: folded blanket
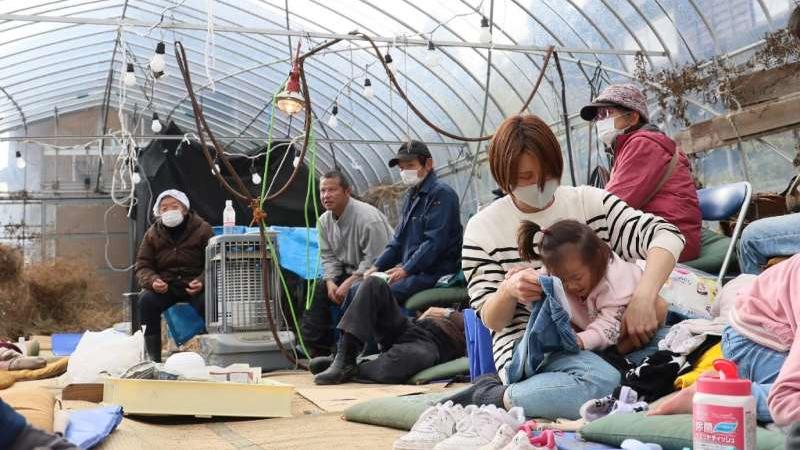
x,y
52,370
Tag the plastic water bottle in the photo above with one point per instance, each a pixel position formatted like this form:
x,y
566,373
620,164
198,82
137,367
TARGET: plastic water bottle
x,y
228,218
724,411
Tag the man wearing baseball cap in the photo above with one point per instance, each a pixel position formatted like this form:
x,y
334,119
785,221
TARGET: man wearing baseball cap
x,y
649,172
427,241
426,246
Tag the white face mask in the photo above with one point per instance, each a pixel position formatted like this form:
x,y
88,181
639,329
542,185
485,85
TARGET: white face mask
x,y
410,177
607,131
172,218
537,198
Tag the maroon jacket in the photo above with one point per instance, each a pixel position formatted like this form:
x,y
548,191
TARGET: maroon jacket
x,y
161,257
640,159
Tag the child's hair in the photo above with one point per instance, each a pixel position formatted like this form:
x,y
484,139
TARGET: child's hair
x,y
594,252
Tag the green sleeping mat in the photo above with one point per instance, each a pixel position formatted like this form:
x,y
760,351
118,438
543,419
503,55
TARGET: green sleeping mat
x,y
442,297
671,432
712,253
445,371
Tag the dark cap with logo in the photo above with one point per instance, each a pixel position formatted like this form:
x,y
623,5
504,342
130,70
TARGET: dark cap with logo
x,y
410,150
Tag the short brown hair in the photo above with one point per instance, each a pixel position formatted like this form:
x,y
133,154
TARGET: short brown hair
x,y
518,134
594,252
339,175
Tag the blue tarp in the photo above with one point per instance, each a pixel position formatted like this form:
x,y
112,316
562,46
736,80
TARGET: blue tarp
x,y
292,253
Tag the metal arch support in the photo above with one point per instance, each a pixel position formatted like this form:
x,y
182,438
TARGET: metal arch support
x,y
383,111
708,26
461,65
444,83
502,74
19,110
599,31
628,29
310,34
677,30
767,15
652,28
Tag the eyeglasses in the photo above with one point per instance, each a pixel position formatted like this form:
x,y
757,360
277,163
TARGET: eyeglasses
x,y
605,113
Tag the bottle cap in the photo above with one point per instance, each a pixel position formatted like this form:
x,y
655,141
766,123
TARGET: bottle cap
x,y
726,383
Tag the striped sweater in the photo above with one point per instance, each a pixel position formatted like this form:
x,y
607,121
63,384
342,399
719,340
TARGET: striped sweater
x,y
490,246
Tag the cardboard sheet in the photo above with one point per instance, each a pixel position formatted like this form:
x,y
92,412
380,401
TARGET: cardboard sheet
x,y
340,397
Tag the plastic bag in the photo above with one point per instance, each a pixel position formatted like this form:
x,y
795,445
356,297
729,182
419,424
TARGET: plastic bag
x,y
183,322
105,352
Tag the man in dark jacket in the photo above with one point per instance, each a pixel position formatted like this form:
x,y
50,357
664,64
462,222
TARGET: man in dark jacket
x,y
171,263
427,241
408,346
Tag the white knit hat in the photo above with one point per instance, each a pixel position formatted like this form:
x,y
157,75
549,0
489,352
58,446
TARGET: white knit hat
x,y
174,193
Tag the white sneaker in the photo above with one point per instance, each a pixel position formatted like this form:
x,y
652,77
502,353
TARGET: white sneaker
x,y
480,427
503,436
436,424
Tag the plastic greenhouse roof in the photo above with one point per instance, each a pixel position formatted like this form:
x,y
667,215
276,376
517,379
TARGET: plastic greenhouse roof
x,y
60,54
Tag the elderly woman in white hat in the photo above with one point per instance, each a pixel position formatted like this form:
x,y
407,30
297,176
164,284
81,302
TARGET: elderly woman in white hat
x,y
170,263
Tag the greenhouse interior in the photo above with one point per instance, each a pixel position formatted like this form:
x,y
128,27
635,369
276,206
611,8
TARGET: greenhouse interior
x,y
443,224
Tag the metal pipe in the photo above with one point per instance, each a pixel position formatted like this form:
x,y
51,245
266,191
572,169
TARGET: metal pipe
x,y
565,116
312,34
180,137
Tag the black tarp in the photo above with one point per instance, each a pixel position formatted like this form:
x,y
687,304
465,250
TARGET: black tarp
x,y
161,168
162,165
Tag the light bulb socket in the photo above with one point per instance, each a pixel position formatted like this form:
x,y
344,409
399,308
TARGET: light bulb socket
x,y
155,116
484,22
335,110
388,58
130,68
158,75
161,48
367,82
431,46
18,154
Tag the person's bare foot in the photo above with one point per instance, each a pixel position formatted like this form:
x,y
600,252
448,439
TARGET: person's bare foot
x,y
679,403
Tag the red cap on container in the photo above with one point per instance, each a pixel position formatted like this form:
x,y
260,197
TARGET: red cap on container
x,y
727,383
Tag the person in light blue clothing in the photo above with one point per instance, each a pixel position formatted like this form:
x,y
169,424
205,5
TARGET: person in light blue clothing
x,y
768,238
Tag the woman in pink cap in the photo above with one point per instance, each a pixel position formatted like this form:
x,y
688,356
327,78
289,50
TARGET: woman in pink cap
x,y
649,173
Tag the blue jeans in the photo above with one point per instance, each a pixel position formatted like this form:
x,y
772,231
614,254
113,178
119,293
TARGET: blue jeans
x,y
568,380
767,238
756,363
549,330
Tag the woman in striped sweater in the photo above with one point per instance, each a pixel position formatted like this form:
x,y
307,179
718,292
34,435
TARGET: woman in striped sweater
x,y
525,160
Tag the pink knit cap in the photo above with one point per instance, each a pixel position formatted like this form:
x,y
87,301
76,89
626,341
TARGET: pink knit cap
x,y
625,95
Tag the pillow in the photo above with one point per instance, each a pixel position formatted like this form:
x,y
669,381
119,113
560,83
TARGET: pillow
x,y
671,432
394,412
442,297
444,371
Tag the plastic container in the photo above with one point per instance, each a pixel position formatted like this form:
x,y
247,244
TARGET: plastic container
x,y
256,348
724,411
228,218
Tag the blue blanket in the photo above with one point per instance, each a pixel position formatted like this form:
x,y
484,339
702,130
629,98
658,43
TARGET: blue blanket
x,y
298,251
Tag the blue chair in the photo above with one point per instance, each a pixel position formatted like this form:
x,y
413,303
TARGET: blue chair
x,y
479,346
722,203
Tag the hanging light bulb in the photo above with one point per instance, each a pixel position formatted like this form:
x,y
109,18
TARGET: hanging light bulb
x,y
255,178
368,91
290,101
388,60
157,63
486,34
20,160
333,121
156,124
215,170
432,59
135,177
130,76
296,160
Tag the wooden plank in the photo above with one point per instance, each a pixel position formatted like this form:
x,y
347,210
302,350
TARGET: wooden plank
x,y
766,85
753,121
